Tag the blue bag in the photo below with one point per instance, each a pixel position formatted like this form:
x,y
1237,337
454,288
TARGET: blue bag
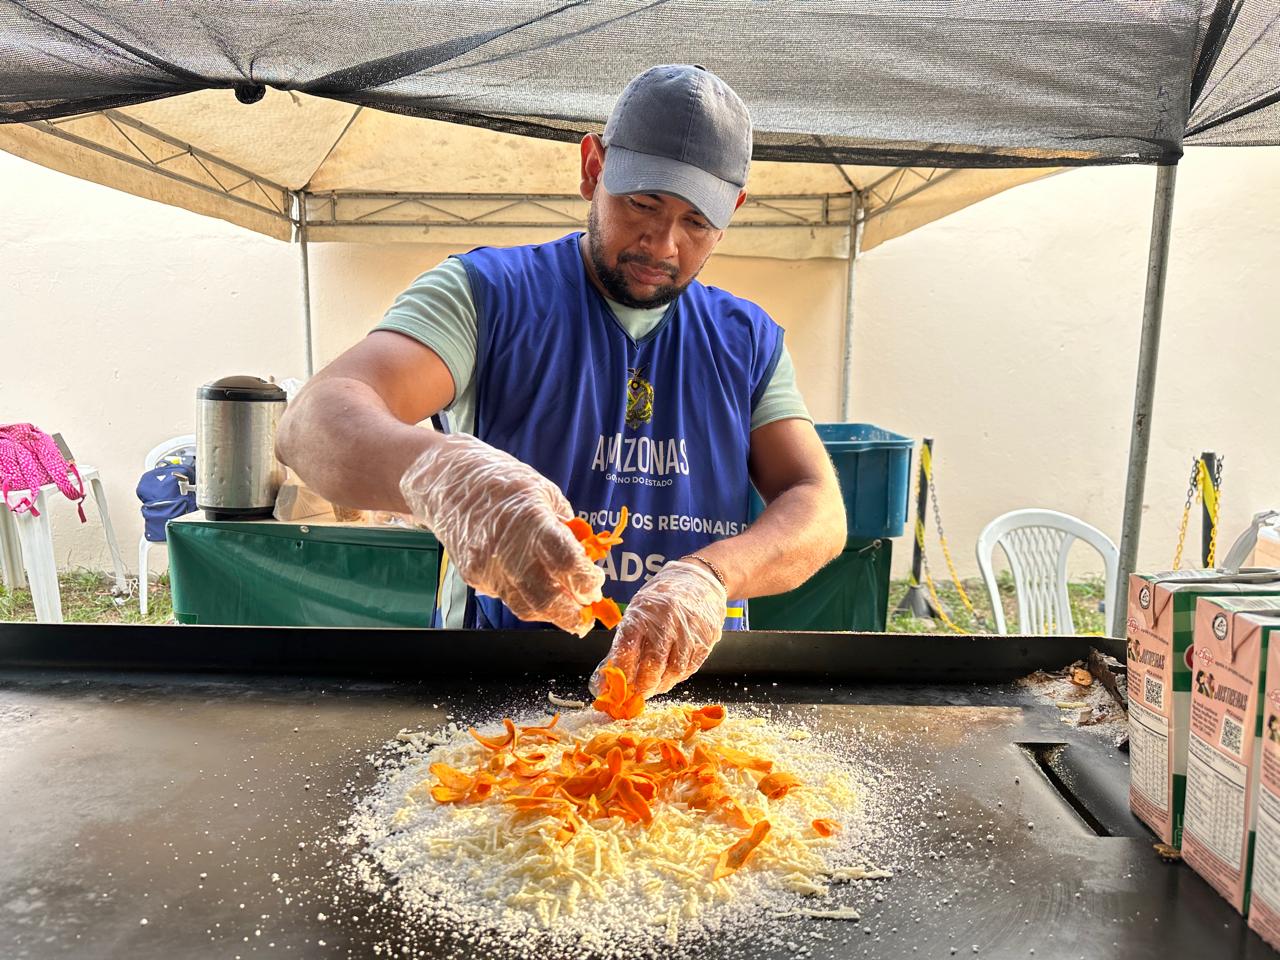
x,y
163,499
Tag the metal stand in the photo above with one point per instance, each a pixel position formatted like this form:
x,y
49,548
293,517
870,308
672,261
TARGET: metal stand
x,y
1148,354
1210,460
300,208
916,601
855,248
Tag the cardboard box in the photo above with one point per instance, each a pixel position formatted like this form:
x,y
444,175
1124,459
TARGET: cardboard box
x,y
1264,908
1161,622
1228,678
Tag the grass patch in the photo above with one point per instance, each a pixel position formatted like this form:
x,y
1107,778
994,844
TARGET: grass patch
x,y
1085,596
87,598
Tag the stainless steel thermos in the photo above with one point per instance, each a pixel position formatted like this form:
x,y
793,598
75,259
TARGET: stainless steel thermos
x,y
237,473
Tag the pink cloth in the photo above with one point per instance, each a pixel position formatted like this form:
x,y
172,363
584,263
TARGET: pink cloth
x,y
29,459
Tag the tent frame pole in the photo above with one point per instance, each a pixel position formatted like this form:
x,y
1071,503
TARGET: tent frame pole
x,y
300,212
1148,354
856,222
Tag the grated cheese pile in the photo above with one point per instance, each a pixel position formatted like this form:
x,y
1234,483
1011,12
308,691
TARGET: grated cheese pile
x,y
624,879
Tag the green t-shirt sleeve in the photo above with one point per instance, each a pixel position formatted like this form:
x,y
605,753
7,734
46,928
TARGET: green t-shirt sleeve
x,y
438,311
781,399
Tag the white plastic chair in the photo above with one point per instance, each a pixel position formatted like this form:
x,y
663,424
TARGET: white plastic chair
x,y
1037,542
181,446
26,547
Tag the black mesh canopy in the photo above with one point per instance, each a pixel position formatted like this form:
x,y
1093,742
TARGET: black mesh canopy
x,y
982,83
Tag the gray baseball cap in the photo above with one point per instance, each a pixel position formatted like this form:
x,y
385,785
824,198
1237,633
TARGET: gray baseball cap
x,y
680,129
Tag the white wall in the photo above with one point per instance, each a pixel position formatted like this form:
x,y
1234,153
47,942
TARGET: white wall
x,y
1008,332
113,310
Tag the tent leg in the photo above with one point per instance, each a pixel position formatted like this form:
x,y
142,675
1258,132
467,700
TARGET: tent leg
x,y
855,245
300,202
1148,353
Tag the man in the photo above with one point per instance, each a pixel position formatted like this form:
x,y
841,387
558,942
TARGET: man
x,y
586,375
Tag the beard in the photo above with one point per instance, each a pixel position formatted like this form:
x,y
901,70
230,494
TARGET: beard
x,y
614,280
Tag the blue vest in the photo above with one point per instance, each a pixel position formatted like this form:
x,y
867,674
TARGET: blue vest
x,y
661,425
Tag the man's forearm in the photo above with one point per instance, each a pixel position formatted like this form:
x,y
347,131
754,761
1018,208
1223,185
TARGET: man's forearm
x,y
341,439
801,531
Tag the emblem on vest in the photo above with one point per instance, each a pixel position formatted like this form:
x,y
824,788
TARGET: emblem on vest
x,y
639,398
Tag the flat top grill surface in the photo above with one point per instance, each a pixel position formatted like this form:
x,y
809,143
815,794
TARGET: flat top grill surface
x,y
208,805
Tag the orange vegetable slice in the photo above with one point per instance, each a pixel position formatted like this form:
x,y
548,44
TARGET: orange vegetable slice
x,y
615,699
500,742
632,707
525,770
826,828
607,612
457,787
547,788
644,747
606,785
703,756
707,717
567,832
482,789
597,547
672,755
737,855
579,528
706,796
450,777
737,758
599,745
619,775
545,732
442,794
633,801
646,788
775,786
526,802
614,761
734,814
583,785
704,772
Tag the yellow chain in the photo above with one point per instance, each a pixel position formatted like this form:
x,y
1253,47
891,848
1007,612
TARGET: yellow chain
x,y
927,466
926,461
937,603
1186,515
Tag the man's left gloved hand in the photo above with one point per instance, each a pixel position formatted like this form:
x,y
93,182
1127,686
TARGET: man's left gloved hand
x,y
668,629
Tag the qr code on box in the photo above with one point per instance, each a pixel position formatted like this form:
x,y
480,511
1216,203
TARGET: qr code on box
x,y
1153,692
1232,733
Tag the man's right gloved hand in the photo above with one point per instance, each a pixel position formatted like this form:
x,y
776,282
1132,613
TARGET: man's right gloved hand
x,y
503,525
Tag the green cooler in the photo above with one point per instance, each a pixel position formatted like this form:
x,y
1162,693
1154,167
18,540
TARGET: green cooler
x,y
850,593
269,573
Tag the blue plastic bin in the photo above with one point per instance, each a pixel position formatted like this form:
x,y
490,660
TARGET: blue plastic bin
x,y
874,469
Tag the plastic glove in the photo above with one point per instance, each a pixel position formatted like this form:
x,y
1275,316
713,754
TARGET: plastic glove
x,y
668,629
503,524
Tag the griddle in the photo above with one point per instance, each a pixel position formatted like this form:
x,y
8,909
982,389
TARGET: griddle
x,y
196,777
